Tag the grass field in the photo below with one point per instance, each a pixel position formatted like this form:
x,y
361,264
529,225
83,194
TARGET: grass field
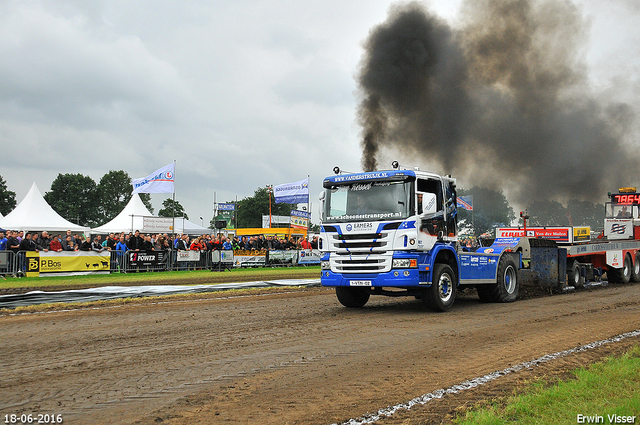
x,y
197,277
606,392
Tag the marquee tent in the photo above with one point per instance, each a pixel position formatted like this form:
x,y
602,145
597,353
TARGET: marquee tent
x,y
185,226
130,219
34,214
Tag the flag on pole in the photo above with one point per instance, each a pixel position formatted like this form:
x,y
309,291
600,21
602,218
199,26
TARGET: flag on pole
x,y
160,181
465,202
292,193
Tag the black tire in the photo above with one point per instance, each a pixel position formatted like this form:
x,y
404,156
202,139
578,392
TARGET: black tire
x,y
507,286
574,278
352,297
622,275
635,270
442,292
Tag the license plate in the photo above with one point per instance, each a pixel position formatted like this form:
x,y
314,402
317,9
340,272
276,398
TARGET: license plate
x,y
360,283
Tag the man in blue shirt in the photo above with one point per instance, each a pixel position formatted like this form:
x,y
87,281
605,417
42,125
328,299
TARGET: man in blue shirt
x,y
3,242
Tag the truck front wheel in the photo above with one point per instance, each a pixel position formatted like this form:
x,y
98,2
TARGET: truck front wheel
x,y
352,297
442,293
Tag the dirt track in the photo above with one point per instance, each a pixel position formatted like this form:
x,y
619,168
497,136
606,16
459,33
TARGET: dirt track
x,y
296,357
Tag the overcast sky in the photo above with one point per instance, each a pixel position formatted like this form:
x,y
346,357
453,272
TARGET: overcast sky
x,y
241,94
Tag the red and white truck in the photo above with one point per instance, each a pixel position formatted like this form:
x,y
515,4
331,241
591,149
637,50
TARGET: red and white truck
x,y
616,251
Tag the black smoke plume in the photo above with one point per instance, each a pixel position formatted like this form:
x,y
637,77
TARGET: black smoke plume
x,y
501,101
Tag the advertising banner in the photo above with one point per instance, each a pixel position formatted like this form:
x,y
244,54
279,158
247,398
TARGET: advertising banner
x,y
225,256
559,234
226,207
299,219
283,257
188,256
160,181
157,224
242,258
145,258
292,193
67,262
309,256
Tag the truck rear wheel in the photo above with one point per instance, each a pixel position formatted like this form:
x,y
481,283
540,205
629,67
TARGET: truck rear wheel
x,y
622,275
575,279
507,286
442,292
635,271
352,297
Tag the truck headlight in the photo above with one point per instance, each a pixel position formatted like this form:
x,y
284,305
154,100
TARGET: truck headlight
x,y
325,265
404,263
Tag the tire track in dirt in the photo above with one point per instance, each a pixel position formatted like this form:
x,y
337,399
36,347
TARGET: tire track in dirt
x,y
280,358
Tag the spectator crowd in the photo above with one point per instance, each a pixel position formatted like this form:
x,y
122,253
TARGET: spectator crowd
x,y
17,241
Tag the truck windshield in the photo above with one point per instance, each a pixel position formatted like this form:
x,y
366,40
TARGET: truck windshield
x,y
368,201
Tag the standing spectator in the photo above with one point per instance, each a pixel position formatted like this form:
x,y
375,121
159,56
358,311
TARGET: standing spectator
x,y
67,244
121,248
135,242
227,245
147,245
314,242
96,245
182,243
111,242
13,243
85,245
3,242
305,244
73,239
55,244
26,244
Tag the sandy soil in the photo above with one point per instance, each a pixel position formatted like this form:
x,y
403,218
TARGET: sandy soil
x,y
294,357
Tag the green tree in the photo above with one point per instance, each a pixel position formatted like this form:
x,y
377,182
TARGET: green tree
x,y
547,213
114,192
585,213
75,198
490,210
251,208
146,200
168,210
7,198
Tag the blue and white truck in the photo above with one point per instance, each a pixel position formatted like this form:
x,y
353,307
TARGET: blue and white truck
x,y
395,233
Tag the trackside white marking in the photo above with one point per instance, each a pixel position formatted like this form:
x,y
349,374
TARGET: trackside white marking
x,y
466,385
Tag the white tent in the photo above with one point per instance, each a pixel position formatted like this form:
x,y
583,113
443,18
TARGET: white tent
x,y
34,214
130,219
185,226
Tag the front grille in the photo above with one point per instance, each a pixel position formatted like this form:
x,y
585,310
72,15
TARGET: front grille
x,y
354,264
360,243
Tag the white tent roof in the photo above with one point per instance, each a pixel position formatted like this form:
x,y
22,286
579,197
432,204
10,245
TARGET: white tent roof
x,y
130,219
34,214
185,226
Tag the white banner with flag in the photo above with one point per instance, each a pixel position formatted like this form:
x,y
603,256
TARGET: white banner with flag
x,y
292,193
160,181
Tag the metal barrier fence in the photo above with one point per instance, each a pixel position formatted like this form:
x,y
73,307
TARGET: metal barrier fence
x,y
12,263
8,263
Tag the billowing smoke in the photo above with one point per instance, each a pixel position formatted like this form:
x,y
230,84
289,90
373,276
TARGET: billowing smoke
x,y
501,101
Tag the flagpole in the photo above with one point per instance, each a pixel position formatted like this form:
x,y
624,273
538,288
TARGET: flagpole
x,y
173,204
308,208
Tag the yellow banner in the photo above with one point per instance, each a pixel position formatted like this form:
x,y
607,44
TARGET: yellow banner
x,y
581,234
67,261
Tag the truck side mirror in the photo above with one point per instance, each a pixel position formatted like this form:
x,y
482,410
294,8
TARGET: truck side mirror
x,y
321,198
429,204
